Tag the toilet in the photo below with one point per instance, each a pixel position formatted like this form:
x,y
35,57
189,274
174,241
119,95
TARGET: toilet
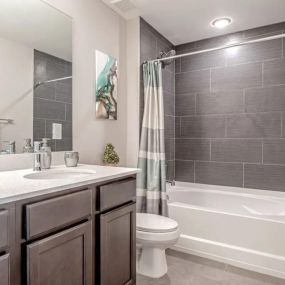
x,y
154,235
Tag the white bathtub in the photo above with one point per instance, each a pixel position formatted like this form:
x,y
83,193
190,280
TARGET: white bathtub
x,y
242,227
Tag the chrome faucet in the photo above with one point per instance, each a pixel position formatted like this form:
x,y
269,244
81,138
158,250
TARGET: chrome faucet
x,y
37,156
171,182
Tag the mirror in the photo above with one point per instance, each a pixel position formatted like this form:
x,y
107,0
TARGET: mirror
x,y
35,76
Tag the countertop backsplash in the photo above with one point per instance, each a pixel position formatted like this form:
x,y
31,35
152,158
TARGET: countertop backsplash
x,y
23,161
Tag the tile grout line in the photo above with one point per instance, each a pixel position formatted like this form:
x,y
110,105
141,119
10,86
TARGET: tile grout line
x,y
244,106
229,114
262,74
65,108
243,174
52,100
194,171
195,99
227,90
282,117
226,126
262,150
282,45
45,127
210,84
260,61
210,149
180,135
231,162
229,138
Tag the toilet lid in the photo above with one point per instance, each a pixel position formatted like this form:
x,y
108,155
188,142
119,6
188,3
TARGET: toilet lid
x,y
155,223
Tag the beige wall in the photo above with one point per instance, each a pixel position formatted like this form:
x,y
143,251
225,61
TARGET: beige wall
x,y
133,91
16,95
95,26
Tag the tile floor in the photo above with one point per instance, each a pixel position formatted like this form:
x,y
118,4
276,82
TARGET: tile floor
x,y
184,269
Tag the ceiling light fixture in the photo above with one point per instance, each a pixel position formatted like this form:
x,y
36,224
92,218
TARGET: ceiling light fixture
x,y
221,23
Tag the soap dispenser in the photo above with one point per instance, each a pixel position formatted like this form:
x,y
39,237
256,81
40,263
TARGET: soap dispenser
x,y
45,154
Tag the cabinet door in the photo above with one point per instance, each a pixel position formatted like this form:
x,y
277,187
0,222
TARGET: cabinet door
x,y
4,228
5,269
62,259
118,246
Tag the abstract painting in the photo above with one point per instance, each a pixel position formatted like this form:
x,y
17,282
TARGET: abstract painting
x,y
106,86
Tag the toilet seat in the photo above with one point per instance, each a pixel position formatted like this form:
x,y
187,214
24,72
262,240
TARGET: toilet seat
x,y
159,240
151,223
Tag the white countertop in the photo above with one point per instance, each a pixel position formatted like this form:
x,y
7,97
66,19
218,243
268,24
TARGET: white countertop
x,y
14,186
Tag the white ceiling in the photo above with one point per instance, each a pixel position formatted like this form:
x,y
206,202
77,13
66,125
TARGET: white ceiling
x,y
183,21
37,25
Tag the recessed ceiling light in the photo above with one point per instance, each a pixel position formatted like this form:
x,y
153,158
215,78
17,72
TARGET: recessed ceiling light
x,y
221,23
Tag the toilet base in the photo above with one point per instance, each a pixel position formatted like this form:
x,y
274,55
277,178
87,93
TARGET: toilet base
x,y
151,262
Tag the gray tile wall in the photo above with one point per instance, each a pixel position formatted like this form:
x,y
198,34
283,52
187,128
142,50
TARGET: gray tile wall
x,y
151,43
230,112
52,101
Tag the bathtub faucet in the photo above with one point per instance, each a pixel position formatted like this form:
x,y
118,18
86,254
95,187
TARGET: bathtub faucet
x,y
171,182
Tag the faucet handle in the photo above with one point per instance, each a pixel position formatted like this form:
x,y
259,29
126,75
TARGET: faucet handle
x,y
37,146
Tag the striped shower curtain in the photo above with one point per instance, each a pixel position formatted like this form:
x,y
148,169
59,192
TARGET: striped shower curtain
x,y
151,182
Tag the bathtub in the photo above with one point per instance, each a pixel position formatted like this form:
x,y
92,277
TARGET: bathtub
x,y
238,226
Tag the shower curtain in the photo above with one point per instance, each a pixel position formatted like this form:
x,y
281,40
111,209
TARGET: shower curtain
x,y
151,182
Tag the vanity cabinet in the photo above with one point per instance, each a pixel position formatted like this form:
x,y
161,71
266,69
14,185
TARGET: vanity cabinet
x,y
79,236
118,246
63,258
5,269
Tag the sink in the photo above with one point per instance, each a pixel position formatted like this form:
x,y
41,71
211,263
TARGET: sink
x,y
59,174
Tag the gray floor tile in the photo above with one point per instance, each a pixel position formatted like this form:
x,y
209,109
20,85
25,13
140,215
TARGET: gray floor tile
x,y
184,269
237,276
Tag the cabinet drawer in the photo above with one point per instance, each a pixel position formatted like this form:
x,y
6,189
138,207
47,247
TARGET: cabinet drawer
x,y
4,228
118,193
45,216
5,269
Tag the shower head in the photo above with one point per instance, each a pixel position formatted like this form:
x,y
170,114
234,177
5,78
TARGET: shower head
x,y
164,54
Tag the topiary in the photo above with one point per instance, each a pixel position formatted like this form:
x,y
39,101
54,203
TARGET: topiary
x,y
110,155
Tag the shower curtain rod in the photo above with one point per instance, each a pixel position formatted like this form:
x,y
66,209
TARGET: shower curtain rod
x,y
221,47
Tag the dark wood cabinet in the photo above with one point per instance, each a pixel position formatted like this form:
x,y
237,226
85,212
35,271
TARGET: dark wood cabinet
x,y
5,269
85,235
4,228
63,258
118,246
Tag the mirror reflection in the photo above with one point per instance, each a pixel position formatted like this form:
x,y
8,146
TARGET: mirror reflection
x,y
35,76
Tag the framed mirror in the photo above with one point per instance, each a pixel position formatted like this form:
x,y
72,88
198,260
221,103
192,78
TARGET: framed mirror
x,y
35,76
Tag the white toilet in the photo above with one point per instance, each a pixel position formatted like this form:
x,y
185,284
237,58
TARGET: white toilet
x,y
154,235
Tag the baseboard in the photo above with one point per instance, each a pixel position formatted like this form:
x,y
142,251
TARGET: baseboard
x,y
257,261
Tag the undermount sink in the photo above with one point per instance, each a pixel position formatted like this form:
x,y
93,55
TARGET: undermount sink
x,y
59,174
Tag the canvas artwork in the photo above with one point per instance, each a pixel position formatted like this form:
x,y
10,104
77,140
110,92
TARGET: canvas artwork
x,y
106,86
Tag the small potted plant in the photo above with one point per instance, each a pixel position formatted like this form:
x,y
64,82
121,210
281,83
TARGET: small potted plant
x,y
111,157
